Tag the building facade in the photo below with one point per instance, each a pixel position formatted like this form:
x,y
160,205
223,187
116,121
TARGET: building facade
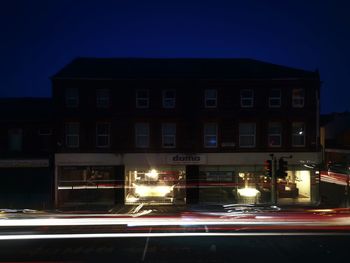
x,y
26,153
183,131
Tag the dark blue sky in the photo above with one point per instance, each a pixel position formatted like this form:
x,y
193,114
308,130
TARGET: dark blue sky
x,y
40,37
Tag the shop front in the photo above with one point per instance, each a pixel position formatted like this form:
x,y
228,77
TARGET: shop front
x,y
88,180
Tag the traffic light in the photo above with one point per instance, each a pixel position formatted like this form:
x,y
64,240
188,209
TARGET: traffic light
x,y
268,168
282,168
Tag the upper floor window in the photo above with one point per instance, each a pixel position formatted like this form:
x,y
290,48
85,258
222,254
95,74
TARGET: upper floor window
x,y
103,135
275,98
72,134
247,98
142,98
102,98
72,97
45,136
247,132
210,135
169,97
210,99
15,141
298,98
298,134
169,135
142,135
275,134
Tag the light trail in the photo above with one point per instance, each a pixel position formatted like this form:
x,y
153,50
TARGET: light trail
x,y
164,235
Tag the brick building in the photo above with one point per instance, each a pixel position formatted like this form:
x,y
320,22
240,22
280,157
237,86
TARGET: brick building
x,y
176,131
26,153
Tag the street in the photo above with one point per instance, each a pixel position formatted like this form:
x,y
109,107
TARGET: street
x,y
188,236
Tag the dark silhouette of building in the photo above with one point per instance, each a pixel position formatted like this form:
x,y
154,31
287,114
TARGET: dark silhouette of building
x,y
26,153
133,130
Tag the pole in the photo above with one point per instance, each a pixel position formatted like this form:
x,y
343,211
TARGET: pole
x,y
273,180
347,187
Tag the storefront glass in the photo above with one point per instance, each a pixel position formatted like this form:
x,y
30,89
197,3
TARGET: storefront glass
x,y
295,188
83,185
155,186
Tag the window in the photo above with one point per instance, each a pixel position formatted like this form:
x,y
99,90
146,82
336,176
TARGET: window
x,y
169,135
142,135
275,134
169,99
247,99
15,140
102,98
210,98
72,135
275,98
103,135
142,99
210,135
45,139
247,135
298,98
72,97
298,134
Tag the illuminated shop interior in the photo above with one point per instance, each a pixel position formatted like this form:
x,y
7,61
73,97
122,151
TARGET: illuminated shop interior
x,y
155,186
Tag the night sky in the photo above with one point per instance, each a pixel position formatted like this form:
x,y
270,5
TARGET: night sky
x,y
40,37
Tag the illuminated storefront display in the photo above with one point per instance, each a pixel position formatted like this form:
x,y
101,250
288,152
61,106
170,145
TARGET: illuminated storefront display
x,y
155,186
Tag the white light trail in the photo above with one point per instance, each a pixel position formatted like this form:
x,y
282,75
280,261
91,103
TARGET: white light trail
x,y
135,235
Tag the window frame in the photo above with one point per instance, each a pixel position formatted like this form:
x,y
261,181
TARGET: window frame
x,y
108,135
164,99
298,134
107,99
298,98
275,98
68,98
138,99
246,135
214,99
274,135
168,135
72,135
147,135
205,135
251,99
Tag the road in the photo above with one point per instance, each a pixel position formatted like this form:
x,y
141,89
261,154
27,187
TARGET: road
x,y
144,235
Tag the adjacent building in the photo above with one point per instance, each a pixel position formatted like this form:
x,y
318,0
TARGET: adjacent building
x,y
26,153
183,131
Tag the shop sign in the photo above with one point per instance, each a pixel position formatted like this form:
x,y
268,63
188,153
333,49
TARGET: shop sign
x,y
24,163
187,159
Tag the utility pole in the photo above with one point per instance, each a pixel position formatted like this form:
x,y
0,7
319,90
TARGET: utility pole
x,y
273,180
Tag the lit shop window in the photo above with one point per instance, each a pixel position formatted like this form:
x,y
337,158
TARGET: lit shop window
x,y
298,98
142,135
210,99
298,134
142,98
72,97
102,98
275,98
247,133
275,134
72,135
169,135
155,186
210,135
247,98
169,97
15,140
103,135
